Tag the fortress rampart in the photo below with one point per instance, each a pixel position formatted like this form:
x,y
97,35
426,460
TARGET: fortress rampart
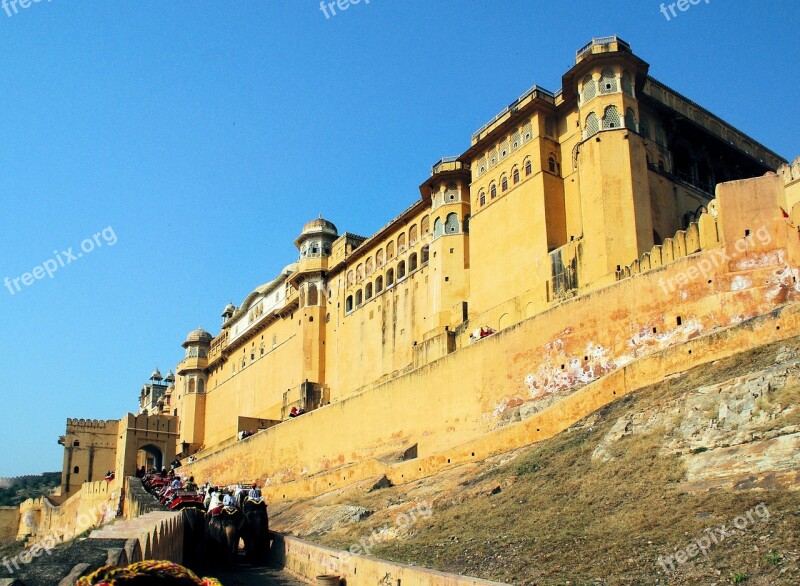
x,y
746,267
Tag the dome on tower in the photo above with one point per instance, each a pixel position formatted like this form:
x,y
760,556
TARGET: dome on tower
x,y
320,225
170,378
156,375
198,335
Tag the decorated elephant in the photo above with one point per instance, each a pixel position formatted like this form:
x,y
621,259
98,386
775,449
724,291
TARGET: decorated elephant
x,y
223,530
255,531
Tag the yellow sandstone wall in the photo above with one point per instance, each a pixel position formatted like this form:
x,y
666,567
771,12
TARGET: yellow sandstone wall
x,y
9,523
540,362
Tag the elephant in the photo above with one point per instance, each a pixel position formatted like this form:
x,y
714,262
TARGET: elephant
x,y
194,520
255,531
222,534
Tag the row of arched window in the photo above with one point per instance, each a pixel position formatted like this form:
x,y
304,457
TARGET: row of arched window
x,y
384,255
371,289
500,152
450,225
608,83
610,121
553,166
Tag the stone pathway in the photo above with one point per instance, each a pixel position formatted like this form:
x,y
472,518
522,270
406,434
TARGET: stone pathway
x,y
246,575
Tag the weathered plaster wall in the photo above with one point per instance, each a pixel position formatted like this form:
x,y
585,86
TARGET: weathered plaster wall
x,y
540,362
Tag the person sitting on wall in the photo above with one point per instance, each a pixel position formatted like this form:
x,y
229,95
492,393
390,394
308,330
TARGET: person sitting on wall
x,y
190,484
109,475
293,412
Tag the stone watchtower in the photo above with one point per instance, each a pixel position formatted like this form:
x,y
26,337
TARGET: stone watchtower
x,y
191,390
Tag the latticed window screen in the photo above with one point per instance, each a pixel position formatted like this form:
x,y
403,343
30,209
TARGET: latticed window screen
x,y
611,118
589,88
505,149
527,132
627,83
451,225
492,158
480,165
425,225
608,81
592,126
630,119
516,141
438,229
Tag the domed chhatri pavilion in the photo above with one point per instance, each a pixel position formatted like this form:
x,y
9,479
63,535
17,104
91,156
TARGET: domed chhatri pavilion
x,y
528,267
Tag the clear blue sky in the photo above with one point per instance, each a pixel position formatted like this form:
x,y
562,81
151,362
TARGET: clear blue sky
x,y
205,134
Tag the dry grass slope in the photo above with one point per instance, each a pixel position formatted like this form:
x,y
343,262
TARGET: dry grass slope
x,y
552,515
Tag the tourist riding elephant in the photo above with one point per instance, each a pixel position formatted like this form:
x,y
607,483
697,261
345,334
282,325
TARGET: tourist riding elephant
x,y
223,530
255,530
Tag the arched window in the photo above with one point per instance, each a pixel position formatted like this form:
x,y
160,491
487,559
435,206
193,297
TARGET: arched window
x,y
359,298
413,235
348,304
201,386
390,277
482,199
76,444
627,83
528,167
76,470
437,228
368,291
425,252
515,175
379,258
493,191
630,119
451,225
661,166
351,278
611,118
589,88
412,262
608,81
401,243
551,164
390,251
425,225
451,194
504,183
313,295
192,384
644,127
591,127
360,272
401,269
370,266
467,218
378,285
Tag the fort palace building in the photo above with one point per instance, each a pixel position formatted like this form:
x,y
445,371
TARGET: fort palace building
x,y
560,197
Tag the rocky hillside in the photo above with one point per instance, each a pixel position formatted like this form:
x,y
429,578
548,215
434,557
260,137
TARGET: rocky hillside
x,y
691,481
14,491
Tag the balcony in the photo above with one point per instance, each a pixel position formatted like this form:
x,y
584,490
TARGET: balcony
x,y
532,94
602,45
192,363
